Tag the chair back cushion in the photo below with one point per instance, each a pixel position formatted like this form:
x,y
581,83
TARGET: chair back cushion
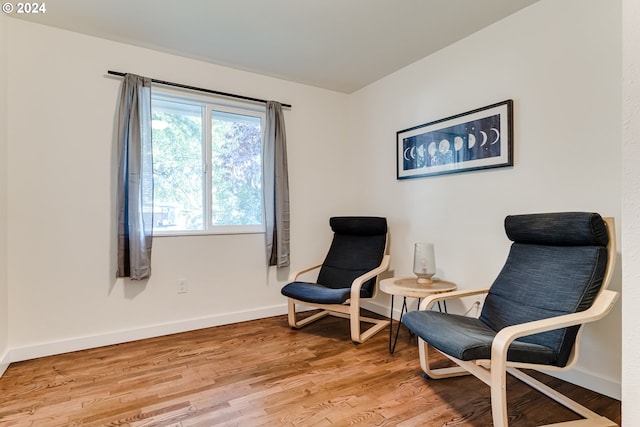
x,y
358,246
556,265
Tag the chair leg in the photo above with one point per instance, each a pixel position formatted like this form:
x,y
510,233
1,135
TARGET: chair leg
x,y
590,418
499,394
291,316
455,371
354,323
355,319
499,400
496,378
353,314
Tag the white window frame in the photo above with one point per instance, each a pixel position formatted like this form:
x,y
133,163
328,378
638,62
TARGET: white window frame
x,y
209,105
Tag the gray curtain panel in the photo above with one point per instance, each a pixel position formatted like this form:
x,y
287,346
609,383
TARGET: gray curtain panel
x,y
135,178
276,187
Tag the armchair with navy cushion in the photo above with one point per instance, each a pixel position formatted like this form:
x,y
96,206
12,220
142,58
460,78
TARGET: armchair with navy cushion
x,y
348,275
553,282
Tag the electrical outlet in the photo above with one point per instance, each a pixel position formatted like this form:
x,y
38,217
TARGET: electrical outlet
x,y
182,286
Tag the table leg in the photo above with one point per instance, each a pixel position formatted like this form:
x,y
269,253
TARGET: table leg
x,y
391,327
394,341
444,303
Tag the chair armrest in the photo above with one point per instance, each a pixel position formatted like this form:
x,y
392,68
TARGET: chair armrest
x,y
432,299
359,281
294,274
600,308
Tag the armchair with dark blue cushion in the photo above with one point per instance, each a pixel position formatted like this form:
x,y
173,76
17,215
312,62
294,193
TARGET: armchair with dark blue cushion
x,y
348,275
554,281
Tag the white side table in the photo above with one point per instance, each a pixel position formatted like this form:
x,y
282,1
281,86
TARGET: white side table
x,y
409,287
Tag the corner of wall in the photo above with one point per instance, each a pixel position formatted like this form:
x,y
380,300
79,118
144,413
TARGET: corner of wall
x,y
4,286
4,363
630,211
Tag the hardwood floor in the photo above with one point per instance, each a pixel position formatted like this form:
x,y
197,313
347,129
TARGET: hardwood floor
x,y
262,373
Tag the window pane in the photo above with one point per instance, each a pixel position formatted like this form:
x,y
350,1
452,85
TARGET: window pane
x,y
177,166
236,160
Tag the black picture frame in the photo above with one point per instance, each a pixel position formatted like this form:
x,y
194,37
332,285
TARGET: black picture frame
x,y
478,139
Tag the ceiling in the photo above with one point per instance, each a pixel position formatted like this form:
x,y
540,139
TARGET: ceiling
x,y
341,45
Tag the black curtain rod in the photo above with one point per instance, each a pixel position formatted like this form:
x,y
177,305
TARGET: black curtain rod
x,y
199,89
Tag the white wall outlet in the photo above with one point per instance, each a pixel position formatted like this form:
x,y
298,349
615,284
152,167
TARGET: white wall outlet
x,y
182,286
477,307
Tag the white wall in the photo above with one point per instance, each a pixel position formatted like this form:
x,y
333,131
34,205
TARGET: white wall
x,y
64,294
562,70
631,211
4,291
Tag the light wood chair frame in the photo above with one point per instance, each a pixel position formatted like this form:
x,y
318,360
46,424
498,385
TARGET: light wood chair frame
x,y
351,307
493,372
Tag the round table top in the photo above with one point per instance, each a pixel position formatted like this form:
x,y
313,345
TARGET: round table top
x,y
409,287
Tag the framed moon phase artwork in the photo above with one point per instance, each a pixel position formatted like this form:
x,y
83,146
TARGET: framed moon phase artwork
x,y
477,139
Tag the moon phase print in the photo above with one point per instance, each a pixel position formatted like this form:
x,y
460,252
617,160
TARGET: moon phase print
x,y
477,139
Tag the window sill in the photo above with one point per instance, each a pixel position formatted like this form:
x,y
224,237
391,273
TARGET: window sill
x,y
217,231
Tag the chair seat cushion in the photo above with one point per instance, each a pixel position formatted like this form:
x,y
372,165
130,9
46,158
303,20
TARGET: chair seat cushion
x,y
313,292
468,338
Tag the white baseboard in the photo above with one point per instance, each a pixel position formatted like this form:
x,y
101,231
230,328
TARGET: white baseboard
x,y
83,343
4,363
86,342
382,309
591,382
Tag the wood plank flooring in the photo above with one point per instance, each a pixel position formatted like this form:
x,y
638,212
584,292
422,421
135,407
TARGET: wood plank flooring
x,y
262,373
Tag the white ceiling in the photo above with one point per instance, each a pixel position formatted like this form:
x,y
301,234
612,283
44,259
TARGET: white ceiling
x,y
342,45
